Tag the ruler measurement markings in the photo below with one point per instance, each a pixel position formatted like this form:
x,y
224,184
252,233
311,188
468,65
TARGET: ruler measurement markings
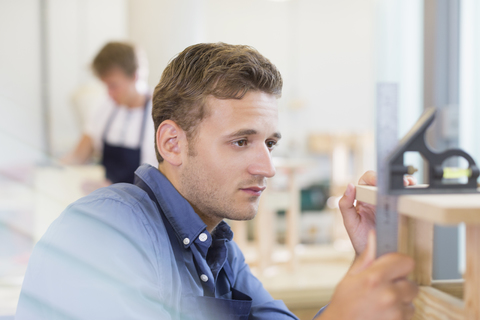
x,y
386,138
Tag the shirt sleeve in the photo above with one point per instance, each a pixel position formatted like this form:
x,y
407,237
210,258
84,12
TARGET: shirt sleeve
x,y
94,262
263,305
320,312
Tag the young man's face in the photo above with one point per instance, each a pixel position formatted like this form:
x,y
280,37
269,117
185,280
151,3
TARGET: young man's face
x,y
226,173
119,85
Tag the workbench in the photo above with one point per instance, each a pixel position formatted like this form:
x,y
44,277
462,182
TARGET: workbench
x,y
452,299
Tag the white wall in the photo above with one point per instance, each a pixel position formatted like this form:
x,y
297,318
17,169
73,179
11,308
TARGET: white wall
x,y
77,29
336,66
163,28
323,48
399,59
20,108
469,94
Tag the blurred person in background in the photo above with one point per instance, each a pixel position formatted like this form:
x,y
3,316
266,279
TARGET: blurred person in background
x,y
120,129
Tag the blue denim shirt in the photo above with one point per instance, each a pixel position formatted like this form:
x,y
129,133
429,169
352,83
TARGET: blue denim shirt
x,y
108,256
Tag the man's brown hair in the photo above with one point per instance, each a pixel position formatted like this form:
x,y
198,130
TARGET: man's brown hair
x,y
120,55
221,70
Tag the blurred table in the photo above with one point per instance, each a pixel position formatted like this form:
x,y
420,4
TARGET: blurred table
x,y
58,186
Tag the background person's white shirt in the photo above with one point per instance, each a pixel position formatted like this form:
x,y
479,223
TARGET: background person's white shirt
x,y
125,129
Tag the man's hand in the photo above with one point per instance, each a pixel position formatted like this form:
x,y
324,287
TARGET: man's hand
x,y
359,219
374,289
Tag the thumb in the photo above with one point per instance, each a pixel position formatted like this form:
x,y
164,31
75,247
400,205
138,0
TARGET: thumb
x,y
367,256
347,207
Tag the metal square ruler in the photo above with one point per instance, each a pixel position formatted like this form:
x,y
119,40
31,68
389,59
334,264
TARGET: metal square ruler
x,y
391,168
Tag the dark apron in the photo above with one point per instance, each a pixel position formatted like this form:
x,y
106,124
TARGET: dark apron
x,y
201,307
120,163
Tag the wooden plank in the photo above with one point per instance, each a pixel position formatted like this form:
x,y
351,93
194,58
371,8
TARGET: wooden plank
x,y
404,243
433,304
472,274
264,232
451,287
416,240
446,209
423,243
292,217
240,232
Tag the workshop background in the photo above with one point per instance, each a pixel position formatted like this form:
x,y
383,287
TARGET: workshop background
x,y
331,55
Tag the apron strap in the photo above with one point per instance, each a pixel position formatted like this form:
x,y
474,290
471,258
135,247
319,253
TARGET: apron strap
x,y
112,116
144,120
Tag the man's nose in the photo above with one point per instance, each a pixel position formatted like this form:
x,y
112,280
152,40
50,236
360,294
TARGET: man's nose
x,y
262,163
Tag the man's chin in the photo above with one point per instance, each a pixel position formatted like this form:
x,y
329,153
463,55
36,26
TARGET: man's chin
x,y
246,216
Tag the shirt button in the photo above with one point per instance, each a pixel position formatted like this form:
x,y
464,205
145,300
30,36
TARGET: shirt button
x,y
204,278
186,241
203,237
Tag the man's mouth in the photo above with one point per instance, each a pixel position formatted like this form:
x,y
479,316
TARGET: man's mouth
x,y
254,191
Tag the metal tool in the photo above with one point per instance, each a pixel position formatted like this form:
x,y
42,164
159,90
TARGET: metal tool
x,y
386,140
391,168
440,178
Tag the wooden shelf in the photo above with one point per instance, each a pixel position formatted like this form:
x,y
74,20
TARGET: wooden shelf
x,y
417,215
445,209
433,304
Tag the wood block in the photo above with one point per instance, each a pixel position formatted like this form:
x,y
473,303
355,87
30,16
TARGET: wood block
x,y
472,274
416,240
240,232
452,287
446,209
293,219
433,304
264,233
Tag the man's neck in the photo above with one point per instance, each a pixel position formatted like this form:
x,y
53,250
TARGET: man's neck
x,y
136,100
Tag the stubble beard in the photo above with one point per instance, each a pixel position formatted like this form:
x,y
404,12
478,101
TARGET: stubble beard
x,y
212,200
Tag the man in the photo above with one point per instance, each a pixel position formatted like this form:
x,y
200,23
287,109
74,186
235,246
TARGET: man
x,y
160,249
120,128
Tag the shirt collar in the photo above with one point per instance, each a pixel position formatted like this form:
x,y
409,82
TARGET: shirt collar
x,y
222,232
185,221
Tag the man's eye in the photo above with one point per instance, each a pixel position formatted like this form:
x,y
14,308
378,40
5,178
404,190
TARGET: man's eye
x,y
271,144
241,143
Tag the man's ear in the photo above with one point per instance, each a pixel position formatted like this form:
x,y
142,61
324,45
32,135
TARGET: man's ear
x,y
171,142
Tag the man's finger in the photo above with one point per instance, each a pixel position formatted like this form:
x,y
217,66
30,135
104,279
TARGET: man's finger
x,y
393,266
409,181
409,311
369,178
407,289
348,199
346,204
368,255
364,207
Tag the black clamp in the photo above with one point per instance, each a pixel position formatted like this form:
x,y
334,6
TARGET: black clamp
x,y
414,141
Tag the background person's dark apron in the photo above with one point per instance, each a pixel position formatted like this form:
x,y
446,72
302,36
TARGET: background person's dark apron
x,y
120,162
201,307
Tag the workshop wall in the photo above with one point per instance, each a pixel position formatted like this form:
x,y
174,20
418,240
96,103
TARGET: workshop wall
x,y
20,96
324,50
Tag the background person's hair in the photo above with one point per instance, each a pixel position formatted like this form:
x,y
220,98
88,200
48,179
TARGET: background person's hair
x,y
222,70
116,55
